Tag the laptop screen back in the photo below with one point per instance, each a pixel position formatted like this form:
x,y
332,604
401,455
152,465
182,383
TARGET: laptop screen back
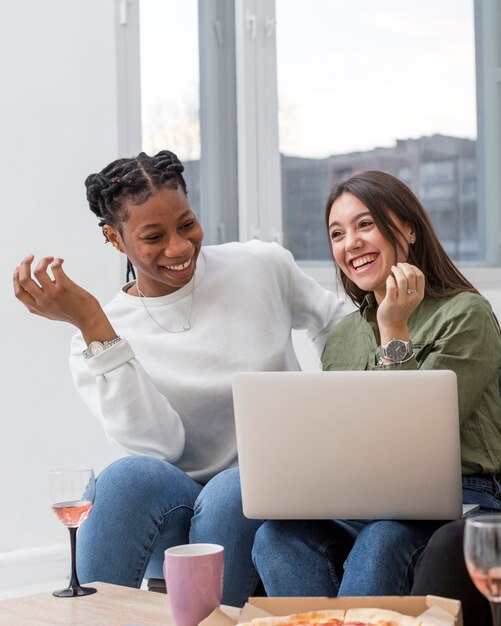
x,y
349,445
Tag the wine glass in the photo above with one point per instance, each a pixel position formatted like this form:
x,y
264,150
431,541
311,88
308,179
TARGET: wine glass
x,y
482,553
72,492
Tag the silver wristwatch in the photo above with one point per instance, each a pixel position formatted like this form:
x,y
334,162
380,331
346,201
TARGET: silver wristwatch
x,y
395,351
96,347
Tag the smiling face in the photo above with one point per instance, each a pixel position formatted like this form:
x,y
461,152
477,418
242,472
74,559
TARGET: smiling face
x,y
359,248
162,238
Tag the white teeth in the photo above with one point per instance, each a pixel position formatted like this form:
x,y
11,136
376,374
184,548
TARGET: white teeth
x,y
180,267
363,260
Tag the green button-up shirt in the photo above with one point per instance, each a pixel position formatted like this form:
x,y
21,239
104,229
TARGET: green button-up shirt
x,y
460,334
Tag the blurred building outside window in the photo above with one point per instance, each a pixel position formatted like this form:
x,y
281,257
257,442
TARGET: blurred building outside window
x,y
361,85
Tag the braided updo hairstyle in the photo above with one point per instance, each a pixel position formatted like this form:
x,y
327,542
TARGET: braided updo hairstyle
x,y
132,180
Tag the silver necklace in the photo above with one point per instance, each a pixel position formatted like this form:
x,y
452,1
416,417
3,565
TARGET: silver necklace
x,y
186,324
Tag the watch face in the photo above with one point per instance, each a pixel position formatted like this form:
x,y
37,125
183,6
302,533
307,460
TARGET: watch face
x,y
96,347
396,350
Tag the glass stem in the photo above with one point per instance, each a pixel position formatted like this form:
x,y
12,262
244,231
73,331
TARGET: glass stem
x,y
73,540
496,613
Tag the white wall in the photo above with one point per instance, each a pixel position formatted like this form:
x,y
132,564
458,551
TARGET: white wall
x,y
59,114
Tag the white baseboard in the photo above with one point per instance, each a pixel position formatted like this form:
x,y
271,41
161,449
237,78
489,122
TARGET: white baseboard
x,y
33,568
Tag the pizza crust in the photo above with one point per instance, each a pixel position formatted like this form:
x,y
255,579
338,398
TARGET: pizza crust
x,y
381,617
334,617
311,617
328,617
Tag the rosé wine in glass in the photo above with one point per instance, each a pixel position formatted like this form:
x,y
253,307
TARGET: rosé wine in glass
x,y
72,513
72,494
488,583
482,553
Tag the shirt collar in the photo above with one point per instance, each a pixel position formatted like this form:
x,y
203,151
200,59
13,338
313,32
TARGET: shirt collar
x,y
369,302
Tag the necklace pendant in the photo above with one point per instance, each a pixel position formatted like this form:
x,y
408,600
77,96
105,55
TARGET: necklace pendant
x,y
187,326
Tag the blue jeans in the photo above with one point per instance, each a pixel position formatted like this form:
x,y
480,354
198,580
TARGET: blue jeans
x,y
144,506
352,558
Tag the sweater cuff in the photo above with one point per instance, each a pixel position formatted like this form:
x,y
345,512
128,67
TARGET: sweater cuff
x,y
110,359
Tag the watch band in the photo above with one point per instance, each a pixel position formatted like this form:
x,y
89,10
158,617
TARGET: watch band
x,y
97,347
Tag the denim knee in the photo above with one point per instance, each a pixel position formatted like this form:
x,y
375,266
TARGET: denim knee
x,y
264,546
392,544
221,493
134,469
279,541
387,535
136,481
266,536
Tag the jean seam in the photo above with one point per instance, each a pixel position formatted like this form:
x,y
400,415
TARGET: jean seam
x,y
157,535
175,508
333,573
488,483
410,568
322,549
253,580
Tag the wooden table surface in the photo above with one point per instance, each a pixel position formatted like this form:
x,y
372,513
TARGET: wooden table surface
x,y
112,605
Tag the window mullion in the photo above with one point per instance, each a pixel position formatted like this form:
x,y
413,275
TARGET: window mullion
x,y
488,71
218,133
260,204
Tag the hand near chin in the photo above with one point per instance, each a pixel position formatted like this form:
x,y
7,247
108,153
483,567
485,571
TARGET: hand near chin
x,y
57,298
404,291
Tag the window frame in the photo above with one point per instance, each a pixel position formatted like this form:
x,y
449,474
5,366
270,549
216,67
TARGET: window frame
x,y
253,199
259,175
487,17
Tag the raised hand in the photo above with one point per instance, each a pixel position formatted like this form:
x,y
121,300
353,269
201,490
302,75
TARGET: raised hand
x,y
57,298
404,292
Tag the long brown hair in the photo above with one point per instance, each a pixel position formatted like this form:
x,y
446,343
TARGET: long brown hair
x,y
380,193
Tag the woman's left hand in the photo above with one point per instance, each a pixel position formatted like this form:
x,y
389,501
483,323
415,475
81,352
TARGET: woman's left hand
x,y
404,292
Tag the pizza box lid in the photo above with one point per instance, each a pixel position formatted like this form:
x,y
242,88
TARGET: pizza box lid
x,y
434,610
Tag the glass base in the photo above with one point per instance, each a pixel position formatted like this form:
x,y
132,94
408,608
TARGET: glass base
x,y
74,592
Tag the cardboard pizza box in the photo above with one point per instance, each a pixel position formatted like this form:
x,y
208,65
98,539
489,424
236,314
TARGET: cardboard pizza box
x,y
437,611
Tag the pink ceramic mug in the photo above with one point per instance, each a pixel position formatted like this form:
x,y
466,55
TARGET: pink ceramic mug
x,y
194,578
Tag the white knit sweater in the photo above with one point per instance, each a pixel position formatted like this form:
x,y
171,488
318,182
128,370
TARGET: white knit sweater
x,y
168,395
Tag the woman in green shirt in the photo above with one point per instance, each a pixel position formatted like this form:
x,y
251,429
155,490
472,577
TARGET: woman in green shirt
x,y
415,311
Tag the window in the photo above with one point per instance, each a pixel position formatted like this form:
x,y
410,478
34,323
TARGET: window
x,y
387,85
170,84
361,85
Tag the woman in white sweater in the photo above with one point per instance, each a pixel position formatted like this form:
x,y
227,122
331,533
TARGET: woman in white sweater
x,y
155,367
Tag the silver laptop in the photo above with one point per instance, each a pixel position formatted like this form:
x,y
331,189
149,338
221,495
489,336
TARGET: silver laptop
x,y
349,445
